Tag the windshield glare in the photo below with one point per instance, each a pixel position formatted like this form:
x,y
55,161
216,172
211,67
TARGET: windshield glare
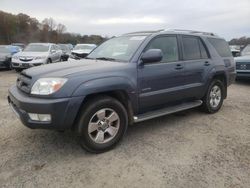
x,y
84,47
4,49
36,48
246,50
120,48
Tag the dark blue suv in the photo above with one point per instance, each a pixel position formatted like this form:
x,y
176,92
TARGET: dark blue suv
x,y
127,79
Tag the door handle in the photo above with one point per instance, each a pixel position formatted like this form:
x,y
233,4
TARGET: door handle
x,y
179,66
206,63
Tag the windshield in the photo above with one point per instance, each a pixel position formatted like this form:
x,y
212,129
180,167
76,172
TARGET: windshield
x,y
37,48
63,47
84,47
4,49
246,50
120,48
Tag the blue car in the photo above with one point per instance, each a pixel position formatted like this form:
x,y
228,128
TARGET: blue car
x,y
14,49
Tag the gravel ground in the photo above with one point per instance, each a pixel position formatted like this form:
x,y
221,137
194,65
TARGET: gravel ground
x,y
188,149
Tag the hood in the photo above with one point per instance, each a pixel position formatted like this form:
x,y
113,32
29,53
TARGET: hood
x,y
31,54
242,58
5,54
75,68
81,51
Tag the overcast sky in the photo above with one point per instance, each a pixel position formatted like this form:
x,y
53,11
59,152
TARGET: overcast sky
x,y
228,18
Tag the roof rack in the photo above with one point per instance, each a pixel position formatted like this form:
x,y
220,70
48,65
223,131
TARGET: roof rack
x,y
192,32
145,32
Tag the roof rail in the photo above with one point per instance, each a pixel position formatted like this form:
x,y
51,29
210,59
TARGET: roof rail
x,y
146,32
192,32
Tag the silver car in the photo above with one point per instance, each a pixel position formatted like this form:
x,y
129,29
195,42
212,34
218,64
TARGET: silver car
x,y
243,64
36,54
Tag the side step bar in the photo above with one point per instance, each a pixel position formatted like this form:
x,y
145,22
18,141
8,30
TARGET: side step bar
x,y
166,111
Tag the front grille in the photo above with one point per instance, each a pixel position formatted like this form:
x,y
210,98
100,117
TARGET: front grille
x,y
243,65
24,82
25,59
80,55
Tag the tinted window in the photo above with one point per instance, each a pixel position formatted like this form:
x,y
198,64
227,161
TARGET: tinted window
x,y
37,48
203,50
221,47
191,48
168,45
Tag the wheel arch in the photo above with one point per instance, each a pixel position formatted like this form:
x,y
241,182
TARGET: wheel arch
x,y
120,95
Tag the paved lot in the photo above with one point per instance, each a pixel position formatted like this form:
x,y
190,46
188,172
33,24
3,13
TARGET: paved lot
x,y
189,149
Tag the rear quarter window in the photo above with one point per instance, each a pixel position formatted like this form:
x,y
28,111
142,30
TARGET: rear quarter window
x,y
221,47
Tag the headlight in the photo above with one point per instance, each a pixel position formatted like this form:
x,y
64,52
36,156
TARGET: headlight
x,y
41,57
46,86
15,57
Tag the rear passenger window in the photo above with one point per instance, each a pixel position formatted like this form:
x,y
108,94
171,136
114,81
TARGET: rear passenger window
x,y
203,50
221,47
191,48
168,45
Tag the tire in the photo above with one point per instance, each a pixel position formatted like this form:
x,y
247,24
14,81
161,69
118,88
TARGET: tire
x,y
48,61
100,117
18,70
214,97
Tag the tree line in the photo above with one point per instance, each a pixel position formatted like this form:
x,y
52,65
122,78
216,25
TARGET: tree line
x,y
22,28
240,41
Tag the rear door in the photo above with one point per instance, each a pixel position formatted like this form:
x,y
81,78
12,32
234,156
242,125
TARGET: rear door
x,y
197,65
161,82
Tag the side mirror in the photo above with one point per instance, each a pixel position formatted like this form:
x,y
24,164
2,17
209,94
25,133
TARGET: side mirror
x,y
53,51
152,55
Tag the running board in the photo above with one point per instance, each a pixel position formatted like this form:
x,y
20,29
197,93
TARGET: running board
x,y
166,111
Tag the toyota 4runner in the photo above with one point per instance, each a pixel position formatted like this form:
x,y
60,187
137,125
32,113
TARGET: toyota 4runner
x,y
127,79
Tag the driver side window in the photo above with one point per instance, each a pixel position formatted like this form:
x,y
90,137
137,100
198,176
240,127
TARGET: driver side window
x,y
168,45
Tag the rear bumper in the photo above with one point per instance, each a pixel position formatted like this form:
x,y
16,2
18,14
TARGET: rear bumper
x,y
63,111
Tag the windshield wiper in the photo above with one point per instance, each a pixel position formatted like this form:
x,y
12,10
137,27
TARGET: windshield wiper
x,y
106,59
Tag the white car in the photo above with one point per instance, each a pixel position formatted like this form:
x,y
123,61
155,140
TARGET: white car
x,y
82,50
36,54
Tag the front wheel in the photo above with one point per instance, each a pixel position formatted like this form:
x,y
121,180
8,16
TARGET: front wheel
x,y
214,97
101,124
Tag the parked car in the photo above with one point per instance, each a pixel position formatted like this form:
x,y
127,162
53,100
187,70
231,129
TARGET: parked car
x,y
5,57
36,54
21,45
14,49
65,51
235,49
71,47
127,79
243,63
82,50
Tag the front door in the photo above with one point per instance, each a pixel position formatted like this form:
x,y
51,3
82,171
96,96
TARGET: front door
x,y
161,82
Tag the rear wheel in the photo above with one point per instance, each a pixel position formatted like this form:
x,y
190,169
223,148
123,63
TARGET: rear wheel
x,y
213,100
101,124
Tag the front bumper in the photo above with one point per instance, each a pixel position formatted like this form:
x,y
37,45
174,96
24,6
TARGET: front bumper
x,y
23,65
63,110
243,73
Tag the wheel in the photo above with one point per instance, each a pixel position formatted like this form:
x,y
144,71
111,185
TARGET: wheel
x,y
214,97
48,61
102,123
18,70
